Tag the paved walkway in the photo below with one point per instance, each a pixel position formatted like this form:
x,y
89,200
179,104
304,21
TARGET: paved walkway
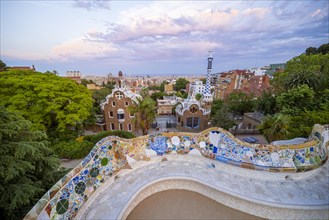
x,y
263,194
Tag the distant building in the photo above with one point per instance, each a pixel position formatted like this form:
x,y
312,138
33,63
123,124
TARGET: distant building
x,y
251,120
22,68
277,67
74,75
169,88
243,81
115,109
166,105
93,86
196,87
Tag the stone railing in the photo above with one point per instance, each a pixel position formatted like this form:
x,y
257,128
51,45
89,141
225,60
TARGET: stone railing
x,y
111,154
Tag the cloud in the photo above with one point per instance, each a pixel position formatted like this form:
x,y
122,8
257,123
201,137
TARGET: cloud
x,y
80,48
92,4
167,31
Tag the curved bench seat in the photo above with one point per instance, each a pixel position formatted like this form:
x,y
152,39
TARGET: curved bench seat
x,y
279,164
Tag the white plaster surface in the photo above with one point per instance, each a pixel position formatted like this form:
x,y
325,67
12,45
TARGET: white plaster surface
x,y
264,194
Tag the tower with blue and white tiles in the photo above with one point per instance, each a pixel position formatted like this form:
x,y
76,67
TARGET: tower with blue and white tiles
x,y
207,96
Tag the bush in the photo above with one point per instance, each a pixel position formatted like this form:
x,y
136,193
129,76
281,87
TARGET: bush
x,y
80,148
72,149
97,137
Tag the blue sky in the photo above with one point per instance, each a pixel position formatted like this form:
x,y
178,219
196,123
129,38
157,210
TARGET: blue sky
x,y
158,37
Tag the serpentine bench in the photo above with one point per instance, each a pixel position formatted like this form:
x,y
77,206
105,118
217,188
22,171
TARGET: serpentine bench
x,y
213,156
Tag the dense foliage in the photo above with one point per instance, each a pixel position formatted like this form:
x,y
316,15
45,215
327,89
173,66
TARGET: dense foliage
x,y
3,66
181,84
145,113
239,103
301,96
80,148
47,100
28,167
222,118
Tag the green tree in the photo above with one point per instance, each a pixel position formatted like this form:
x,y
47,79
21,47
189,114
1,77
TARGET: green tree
x,y
181,84
99,96
275,127
216,106
312,70
181,94
27,166
310,50
198,96
3,66
84,82
145,113
222,118
157,95
267,103
162,85
239,103
323,49
296,100
154,88
302,125
47,100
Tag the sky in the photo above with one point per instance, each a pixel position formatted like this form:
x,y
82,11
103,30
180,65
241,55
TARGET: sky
x,y
157,37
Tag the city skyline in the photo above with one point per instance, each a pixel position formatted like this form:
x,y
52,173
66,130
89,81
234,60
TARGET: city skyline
x,y
152,37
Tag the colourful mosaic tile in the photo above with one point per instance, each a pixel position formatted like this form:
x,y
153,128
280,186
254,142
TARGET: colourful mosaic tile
x,y
108,156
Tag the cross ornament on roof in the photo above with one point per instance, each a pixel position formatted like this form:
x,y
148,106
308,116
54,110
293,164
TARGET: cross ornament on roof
x,y
119,95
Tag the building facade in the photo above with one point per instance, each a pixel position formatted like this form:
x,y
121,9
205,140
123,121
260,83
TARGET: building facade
x,y
166,105
115,109
192,113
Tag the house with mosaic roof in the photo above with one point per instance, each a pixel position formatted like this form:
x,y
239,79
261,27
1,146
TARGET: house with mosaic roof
x,y
192,113
115,108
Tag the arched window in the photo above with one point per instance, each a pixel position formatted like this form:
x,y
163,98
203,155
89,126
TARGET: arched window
x,y
194,108
121,114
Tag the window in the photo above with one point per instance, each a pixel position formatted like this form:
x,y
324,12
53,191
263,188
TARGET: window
x,y
120,127
111,114
119,95
127,103
192,122
182,123
121,114
129,127
112,127
178,119
132,114
113,103
193,109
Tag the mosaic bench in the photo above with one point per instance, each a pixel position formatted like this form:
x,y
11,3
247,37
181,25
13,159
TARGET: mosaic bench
x,y
111,154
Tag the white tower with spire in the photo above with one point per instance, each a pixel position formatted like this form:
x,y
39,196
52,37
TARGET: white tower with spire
x,y
207,96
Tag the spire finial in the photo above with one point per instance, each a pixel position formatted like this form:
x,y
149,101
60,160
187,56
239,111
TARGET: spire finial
x,y
210,52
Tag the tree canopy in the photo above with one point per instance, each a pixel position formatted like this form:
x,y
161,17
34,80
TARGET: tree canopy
x,y
145,114
198,96
301,96
181,84
27,166
311,70
3,66
47,100
239,103
275,127
222,118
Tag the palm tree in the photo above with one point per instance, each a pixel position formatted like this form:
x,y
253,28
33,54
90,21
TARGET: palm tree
x,y
301,77
275,127
144,111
